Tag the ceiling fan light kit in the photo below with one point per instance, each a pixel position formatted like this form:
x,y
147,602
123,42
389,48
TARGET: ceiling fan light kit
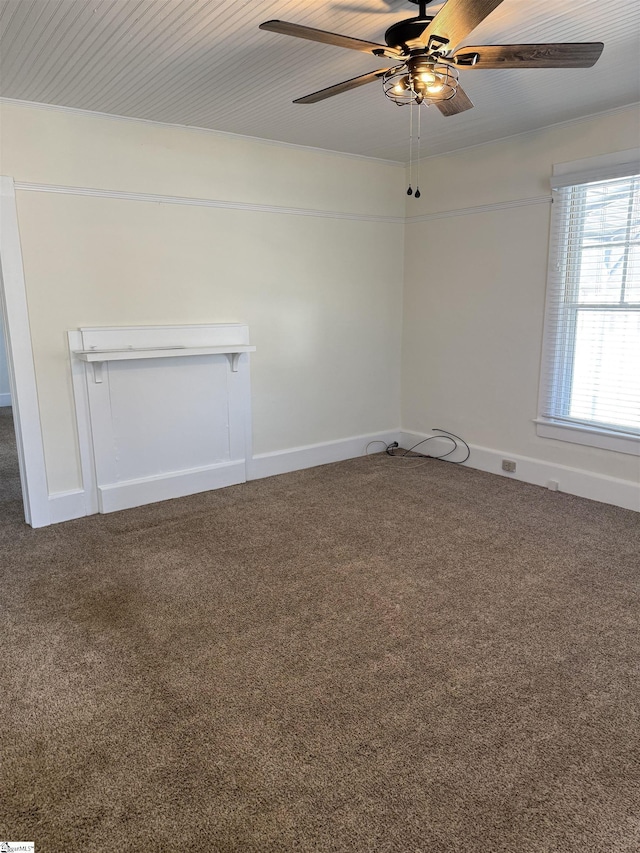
x,y
420,81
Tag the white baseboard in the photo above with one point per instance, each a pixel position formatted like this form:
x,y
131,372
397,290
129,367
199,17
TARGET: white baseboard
x,y
64,506
162,487
5,400
310,455
574,481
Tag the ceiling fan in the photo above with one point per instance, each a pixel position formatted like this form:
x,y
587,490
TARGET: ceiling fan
x,y
426,51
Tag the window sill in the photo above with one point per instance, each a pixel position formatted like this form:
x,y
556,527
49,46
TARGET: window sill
x,y
590,436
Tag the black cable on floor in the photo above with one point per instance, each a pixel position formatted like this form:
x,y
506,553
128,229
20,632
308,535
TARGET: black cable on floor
x,y
450,436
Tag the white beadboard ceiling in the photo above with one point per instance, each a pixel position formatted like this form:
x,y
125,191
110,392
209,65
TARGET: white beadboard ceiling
x,y
205,63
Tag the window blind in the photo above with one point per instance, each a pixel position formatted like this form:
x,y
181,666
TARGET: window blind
x,y
591,353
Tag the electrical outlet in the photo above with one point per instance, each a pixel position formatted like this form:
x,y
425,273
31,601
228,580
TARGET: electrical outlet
x,y
508,465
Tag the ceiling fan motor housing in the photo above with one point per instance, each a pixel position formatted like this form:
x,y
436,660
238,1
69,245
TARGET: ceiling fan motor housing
x,y
406,34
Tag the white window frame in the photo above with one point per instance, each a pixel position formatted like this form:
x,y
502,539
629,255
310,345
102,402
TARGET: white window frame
x,y
616,165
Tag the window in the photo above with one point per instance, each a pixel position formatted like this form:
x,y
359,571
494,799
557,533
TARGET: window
x,y
590,389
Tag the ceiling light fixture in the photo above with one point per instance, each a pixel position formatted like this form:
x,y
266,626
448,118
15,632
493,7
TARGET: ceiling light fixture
x,y
429,49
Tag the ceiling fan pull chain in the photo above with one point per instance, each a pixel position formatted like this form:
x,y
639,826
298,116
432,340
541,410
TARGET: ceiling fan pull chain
x,y
418,193
410,190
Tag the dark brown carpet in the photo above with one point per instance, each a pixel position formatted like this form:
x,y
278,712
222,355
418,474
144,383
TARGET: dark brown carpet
x,y
9,471
350,658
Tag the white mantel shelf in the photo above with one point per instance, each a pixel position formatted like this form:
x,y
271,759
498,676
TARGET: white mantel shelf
x,y
97,357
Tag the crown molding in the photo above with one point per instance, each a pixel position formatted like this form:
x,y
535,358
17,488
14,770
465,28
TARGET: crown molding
x,y
195,129
566,123
293,146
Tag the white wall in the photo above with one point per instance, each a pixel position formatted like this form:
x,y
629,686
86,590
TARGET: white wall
x,y
320,293
475,291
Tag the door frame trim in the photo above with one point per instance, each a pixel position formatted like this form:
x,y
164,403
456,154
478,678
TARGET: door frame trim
x,y
20,363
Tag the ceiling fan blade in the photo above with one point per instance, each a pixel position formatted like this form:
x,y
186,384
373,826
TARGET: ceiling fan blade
x,y
562,55
341,87
325,37
458,104
456,19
